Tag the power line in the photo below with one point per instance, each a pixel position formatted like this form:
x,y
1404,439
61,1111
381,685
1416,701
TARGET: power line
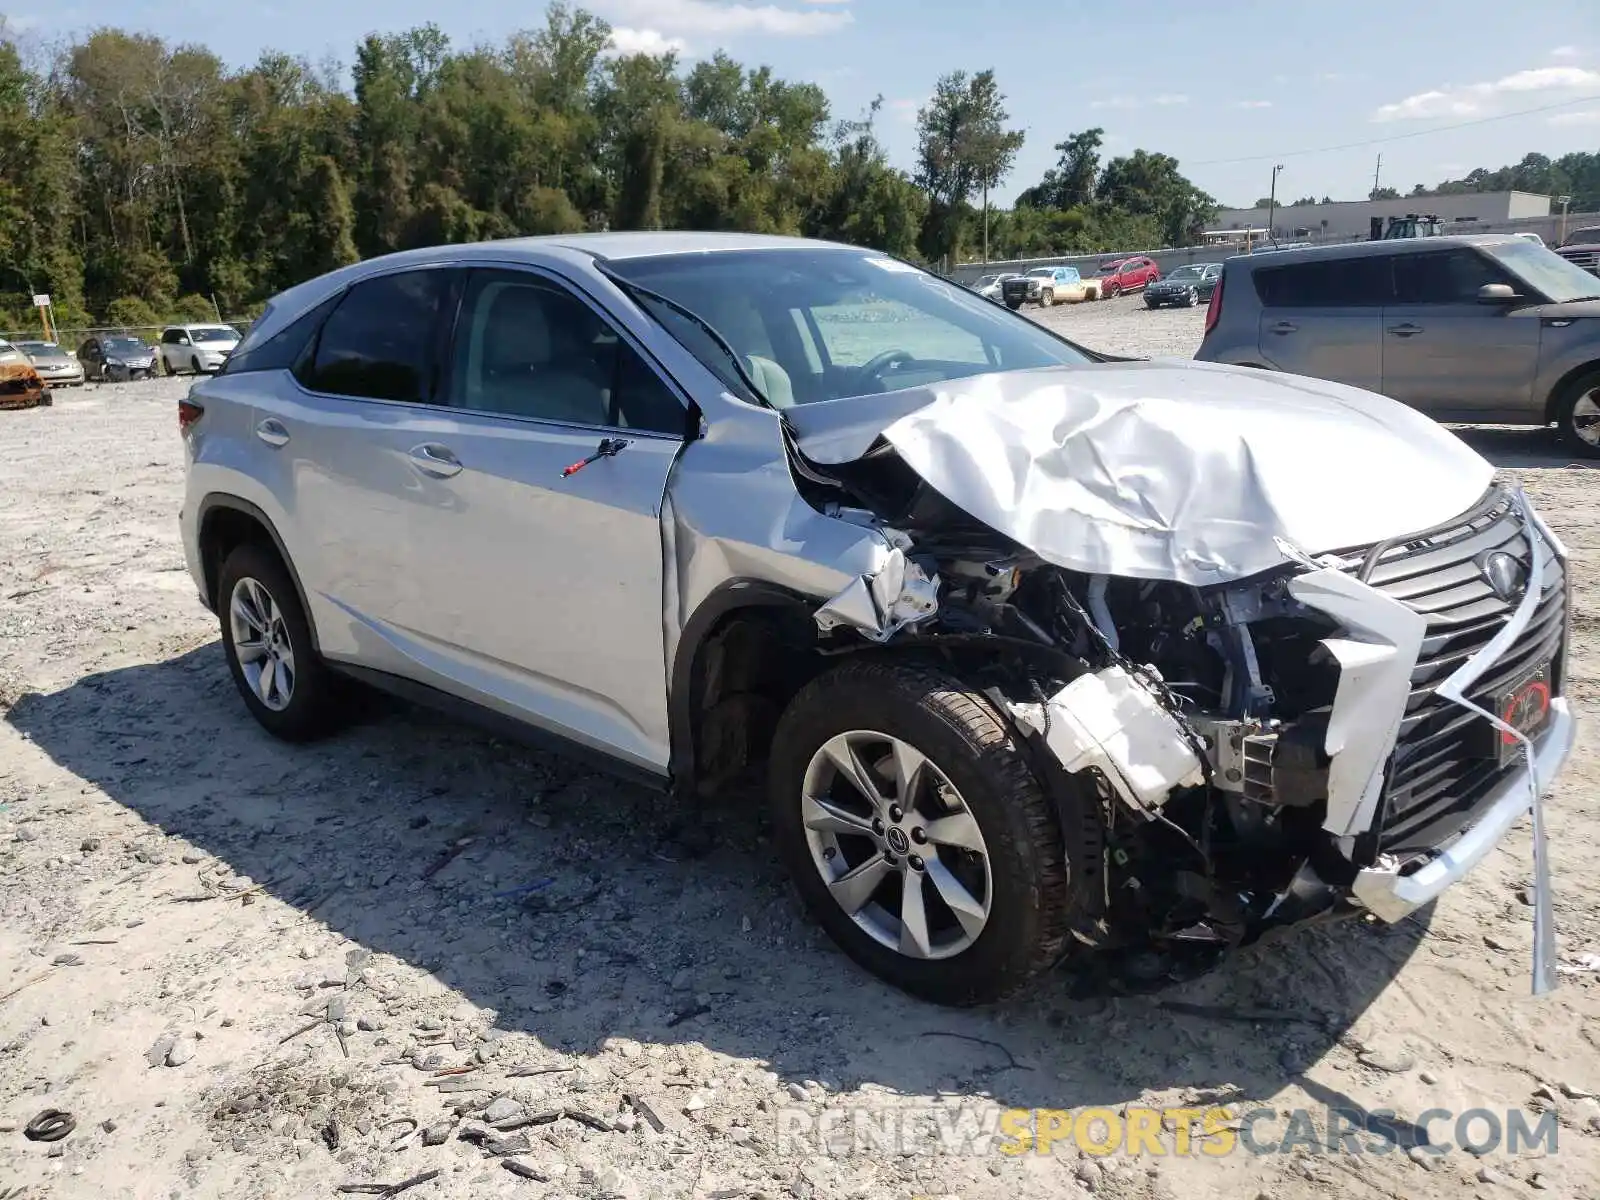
x,y
1397,137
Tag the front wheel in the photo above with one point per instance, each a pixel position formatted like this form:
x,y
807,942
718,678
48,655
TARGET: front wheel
x,y
1578,415
1191,298
266,639
1047,299
917,834
1013,305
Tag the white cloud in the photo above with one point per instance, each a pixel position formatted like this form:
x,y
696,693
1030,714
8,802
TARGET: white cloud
x,y
1566,52
22,24
827,1
1584,116
626,41
1478,99
705,18
1252,103
1161,100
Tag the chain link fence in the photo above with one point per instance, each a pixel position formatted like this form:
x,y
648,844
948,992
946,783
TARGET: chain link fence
x,y
71,339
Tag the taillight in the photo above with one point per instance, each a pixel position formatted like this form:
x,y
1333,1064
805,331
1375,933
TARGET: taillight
x,y
188,413
1214,308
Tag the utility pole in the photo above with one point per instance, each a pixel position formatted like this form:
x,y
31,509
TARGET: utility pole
x,y
1563,201
1375,172
986,220
1272,203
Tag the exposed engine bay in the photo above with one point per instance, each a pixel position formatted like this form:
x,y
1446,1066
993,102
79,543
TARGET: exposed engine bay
x,y
1230,741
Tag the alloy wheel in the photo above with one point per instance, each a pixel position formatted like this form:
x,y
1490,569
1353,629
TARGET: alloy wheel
x,y
896,845
1586,418
261,643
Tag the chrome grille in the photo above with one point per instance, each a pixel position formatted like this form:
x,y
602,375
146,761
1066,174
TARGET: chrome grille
x,y
1444,765
1587,257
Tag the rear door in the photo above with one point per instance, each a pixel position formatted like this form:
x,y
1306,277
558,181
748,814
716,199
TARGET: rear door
x,y
1449,355
1323,317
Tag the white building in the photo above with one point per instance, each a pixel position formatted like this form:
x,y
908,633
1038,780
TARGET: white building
x,y
1353,218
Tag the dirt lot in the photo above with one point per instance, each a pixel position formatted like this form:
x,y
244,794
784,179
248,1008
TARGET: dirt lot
x,y
241,965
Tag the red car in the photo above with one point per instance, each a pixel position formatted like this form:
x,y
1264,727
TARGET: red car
x,y
1127,275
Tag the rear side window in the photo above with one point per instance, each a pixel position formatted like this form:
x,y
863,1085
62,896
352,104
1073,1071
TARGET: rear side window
x,y
380,342
1357,282
1444,277
284,350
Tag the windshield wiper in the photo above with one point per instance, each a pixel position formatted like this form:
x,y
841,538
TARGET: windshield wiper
x,y
641,292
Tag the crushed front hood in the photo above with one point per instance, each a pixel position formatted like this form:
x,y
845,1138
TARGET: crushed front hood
x,y
1165,469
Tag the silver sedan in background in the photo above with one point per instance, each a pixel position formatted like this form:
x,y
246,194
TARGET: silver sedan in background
x,y
55,366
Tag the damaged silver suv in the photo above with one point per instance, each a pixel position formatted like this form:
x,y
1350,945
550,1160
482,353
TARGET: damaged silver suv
x,y
1041,653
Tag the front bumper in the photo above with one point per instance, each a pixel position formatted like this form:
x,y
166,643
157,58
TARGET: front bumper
x,y
55,377
1393,890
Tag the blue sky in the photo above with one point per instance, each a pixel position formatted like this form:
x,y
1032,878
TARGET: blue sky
x,y
1207,83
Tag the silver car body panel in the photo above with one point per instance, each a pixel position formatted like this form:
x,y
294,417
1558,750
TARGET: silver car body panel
x,y
1165,470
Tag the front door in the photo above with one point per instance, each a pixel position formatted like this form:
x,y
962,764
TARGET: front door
x,y
1446,353
1322,317
544,587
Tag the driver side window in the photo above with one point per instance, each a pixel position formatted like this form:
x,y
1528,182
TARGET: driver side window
x,y
527,347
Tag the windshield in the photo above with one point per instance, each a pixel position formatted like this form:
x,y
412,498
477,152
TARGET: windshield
x,y
124,345
1582,237
1188,273
1043,271
214,333
813,325
1546,271
38,348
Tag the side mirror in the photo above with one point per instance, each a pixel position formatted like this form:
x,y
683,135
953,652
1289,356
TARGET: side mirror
x,y
1497,293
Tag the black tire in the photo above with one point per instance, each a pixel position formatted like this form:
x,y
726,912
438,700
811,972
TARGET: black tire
x,y
194,361
1567,417
1047,298
1191,298
312,709
1152,304
1034,896
1013,305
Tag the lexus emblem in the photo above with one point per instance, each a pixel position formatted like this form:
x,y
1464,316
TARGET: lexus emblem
x,y
1504,573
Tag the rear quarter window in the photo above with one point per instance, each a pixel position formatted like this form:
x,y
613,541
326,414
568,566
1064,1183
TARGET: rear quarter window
x,y
285,350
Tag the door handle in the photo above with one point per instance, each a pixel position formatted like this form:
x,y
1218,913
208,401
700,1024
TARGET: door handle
x,y
433,459
272,432
1285,327
1406,330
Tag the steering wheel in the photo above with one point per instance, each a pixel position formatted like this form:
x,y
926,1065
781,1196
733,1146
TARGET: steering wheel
x,y
875,366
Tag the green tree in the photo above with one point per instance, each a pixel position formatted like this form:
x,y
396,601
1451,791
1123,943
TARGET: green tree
x,y
963,147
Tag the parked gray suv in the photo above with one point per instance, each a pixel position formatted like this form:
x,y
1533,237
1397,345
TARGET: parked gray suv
x,y
1038,653
1482,330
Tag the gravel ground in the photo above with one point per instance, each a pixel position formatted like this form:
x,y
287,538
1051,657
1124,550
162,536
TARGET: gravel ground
x,y
241,965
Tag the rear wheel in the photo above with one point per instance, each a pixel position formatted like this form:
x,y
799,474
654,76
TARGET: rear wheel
x,y
266,639
1578,415
917,834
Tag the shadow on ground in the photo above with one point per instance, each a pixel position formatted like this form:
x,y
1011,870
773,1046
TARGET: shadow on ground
x,y
349,827
1511,447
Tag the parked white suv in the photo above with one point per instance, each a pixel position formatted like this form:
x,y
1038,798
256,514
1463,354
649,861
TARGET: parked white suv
x,y
1037,652
196,348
